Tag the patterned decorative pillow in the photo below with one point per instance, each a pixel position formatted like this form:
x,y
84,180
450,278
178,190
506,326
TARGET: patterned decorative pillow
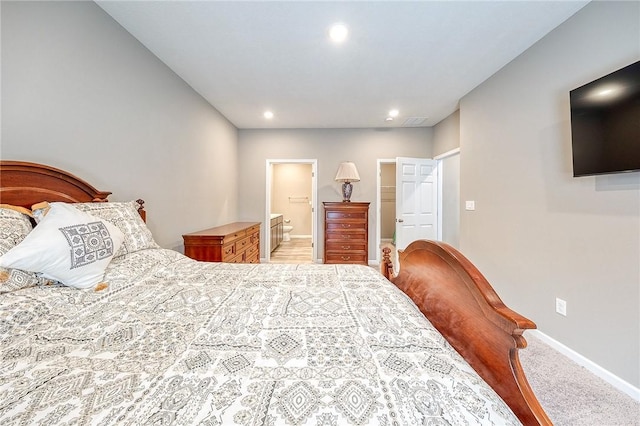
x,y
15,279
19,209
14,227
68,246
125,216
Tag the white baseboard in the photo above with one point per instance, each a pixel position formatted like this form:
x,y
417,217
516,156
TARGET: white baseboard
x,y
604,374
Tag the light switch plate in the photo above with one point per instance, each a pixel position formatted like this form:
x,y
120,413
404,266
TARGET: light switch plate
x,y
470,205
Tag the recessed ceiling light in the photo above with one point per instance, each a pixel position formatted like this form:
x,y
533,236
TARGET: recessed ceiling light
x,y
338,33
388,119
394,113
268,115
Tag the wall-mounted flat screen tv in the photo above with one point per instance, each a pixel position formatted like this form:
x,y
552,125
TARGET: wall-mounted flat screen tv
x,y
605,123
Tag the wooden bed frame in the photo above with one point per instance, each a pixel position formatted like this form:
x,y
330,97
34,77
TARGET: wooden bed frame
x,y
463,306
447,288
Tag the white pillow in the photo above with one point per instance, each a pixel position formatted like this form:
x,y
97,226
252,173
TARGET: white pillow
x,y
67,245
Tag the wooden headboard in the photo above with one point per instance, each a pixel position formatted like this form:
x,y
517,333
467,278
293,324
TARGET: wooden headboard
x,y
25,184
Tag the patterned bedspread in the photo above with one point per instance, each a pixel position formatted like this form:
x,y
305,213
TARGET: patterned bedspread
x,y
174,341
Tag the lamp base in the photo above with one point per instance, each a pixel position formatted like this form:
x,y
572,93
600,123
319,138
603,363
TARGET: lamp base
x,y
347,188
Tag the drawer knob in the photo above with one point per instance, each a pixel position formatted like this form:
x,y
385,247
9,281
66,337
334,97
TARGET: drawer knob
x,y
346,257
346,247
346,225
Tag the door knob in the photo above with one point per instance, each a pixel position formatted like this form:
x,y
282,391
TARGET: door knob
x,y
400,220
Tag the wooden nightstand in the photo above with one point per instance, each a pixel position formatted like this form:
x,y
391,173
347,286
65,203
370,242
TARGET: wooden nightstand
x,y
237,242
346,232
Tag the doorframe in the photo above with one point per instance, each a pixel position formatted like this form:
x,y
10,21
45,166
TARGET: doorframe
x,y
439,159
379,163
314,197
382,161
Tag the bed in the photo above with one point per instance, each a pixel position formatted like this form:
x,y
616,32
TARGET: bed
x,y
163,339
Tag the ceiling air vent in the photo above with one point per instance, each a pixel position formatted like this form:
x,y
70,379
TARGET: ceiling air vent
x,y
414,121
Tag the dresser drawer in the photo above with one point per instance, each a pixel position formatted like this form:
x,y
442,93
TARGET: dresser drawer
x,y
252,249
254,235
234,236
228,251
242,244
255,229
346,258
343,246
347,235
344,226
252,257
349,215
237,259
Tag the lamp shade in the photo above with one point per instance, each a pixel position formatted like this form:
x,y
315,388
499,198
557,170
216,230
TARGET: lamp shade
x,y
347,172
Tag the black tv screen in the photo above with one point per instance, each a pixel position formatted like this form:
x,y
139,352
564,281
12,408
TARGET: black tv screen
x,y
605,123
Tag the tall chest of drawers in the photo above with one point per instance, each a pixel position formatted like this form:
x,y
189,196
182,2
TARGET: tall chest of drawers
x,y
346,232
237,242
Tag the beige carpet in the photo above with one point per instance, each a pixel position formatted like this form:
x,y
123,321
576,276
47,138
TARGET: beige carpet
x,y
572,395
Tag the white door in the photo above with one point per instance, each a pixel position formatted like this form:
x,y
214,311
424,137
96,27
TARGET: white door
x,y
416,200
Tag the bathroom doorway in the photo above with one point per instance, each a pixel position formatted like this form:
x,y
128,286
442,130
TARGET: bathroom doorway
x,y
290,211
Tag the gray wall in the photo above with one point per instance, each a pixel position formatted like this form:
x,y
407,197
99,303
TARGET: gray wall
x,y
81,94
538,233
446,137
446,134
329,147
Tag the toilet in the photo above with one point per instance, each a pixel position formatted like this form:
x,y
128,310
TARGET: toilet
x,y
286,229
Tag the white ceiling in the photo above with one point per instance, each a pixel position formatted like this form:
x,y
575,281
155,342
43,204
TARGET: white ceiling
x,y
419,57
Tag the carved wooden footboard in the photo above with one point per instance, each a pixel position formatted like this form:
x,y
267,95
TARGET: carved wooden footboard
x,y
463,306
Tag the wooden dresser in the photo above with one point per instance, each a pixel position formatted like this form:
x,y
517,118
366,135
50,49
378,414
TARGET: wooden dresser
x,y
346,232
237,242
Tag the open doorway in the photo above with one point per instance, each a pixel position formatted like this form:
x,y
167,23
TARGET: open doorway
x,y
386,223
411,202
290,212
